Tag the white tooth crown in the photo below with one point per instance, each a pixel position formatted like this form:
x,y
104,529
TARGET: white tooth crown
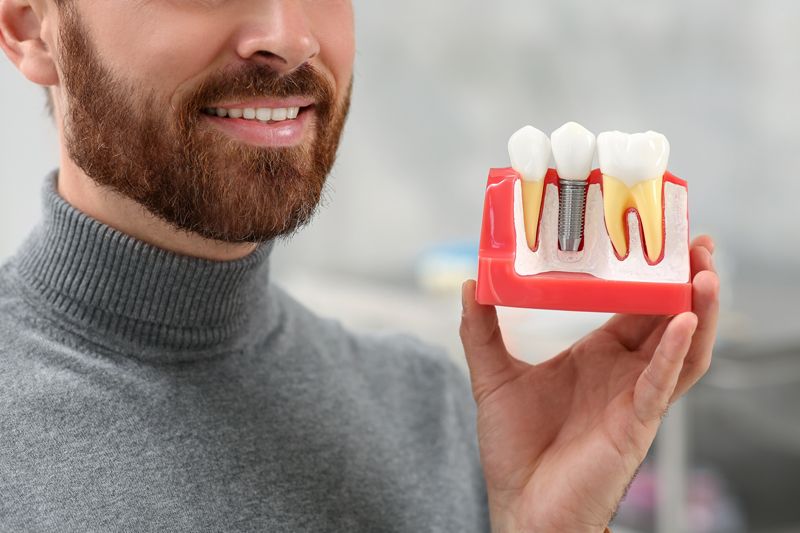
x,y
263,114
279,114
632,158
529,150
573,151
260,114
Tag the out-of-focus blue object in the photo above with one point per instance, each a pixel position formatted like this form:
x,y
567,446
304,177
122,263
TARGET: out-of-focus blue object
x,y
445,267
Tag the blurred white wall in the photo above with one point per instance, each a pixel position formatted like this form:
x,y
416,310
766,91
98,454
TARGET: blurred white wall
x,y
440,86
28,151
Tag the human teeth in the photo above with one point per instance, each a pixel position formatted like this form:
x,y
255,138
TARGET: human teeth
x,y
279,114
573,151
633,168
529,150
263,114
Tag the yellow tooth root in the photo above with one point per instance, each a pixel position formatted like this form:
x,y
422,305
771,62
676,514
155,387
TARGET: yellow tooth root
x,y
531,205
645,197
616,198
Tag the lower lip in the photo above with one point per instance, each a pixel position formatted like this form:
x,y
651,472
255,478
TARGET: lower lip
x,y
284,133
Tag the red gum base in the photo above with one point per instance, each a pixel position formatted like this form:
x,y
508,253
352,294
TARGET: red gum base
x,y
499,283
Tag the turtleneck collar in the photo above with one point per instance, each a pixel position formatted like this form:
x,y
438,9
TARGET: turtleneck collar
x,y
134,298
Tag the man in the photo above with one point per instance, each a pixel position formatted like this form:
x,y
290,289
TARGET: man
x,y
152,379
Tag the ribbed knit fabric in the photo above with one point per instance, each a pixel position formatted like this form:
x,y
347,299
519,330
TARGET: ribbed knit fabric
x,y
138,295
141,390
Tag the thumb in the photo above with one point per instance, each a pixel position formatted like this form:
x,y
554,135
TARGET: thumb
x,y
490,364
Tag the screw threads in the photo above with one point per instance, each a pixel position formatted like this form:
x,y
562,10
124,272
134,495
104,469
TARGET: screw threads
x,y
570,214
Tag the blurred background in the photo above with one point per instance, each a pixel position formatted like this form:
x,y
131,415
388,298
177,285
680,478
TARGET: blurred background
x,y
440,87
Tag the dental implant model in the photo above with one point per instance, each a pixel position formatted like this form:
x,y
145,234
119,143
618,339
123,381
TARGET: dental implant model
x,y
613,239
573,151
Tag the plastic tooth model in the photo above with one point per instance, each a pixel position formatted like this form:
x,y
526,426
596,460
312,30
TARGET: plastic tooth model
x,y
613,239
633,167
529,150
573,151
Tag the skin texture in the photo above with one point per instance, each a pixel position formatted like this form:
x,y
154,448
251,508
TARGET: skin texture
x,y
561,440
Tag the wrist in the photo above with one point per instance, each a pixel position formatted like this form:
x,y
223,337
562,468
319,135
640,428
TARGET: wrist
x,y
504,520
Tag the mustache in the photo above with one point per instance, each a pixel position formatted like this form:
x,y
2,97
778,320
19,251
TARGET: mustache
x,y
258,81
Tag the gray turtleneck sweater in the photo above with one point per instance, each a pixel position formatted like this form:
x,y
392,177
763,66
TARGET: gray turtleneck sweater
x,y
146,391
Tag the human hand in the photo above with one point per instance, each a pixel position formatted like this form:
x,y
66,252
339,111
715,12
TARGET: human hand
x,y
560,441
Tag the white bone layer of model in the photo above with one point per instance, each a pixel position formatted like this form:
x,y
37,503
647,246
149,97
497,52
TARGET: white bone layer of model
x,y
529,150
598,256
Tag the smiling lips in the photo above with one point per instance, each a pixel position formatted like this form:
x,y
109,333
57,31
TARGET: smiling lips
x,y
263,126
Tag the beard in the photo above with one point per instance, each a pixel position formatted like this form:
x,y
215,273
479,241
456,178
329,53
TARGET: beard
x,y
177,166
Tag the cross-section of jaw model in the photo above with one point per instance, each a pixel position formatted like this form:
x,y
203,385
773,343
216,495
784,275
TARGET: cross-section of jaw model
x,y
612,239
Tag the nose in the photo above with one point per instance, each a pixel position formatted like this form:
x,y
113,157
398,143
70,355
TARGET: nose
x,y
277,34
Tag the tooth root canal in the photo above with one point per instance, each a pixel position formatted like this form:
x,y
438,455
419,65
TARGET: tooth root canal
x,y
633,167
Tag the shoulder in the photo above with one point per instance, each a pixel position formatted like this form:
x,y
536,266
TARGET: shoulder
x,y
372,352
391,364
405,357
17,319
422,379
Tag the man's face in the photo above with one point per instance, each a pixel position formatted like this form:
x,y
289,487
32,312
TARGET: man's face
x,y
140,79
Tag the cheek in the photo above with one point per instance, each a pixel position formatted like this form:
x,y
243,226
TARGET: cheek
x,y
152,46
172,59
335,32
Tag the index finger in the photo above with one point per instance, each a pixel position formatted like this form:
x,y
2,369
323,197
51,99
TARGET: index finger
x,y
705,298
705,241
700,257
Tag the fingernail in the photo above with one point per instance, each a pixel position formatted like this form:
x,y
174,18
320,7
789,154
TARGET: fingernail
x,y
463,299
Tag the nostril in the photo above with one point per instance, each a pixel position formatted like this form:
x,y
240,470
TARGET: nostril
x,y
270,55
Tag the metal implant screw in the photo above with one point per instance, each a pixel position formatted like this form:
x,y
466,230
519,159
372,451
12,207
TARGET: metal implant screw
x,y
570,214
